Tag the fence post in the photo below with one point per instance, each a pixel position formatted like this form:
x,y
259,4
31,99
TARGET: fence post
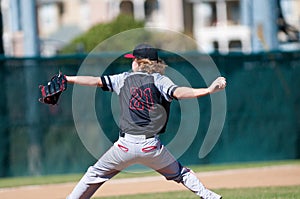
x,y
33,117
4,130
31,49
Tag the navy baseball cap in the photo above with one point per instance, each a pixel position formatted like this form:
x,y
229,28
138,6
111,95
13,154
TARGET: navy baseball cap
x,y
143,51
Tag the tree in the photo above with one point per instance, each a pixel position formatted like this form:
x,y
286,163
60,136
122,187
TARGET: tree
x,y
95,35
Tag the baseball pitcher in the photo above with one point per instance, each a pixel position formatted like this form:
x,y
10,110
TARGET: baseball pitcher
x,y
145,95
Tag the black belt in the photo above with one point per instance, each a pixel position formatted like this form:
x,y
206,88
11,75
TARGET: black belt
x,y
147,137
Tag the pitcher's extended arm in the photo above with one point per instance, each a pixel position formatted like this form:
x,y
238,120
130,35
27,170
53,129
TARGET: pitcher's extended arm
x,y
85,80
187,92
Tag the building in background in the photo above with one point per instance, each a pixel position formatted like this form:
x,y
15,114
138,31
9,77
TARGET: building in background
x,y
216,25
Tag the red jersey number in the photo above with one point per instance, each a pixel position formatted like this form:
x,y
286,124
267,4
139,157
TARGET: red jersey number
x,y
141,99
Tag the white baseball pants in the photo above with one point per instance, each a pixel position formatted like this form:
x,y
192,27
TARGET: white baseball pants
x,y
137,150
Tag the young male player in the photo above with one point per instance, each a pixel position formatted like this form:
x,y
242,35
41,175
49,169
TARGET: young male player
x,y
145,95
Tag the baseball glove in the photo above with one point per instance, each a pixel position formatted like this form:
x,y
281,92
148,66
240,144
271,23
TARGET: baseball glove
x,y
52,91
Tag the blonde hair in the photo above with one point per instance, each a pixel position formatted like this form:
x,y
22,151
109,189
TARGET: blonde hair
x,y
150,66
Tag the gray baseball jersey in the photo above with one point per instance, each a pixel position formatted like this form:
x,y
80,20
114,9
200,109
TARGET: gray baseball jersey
x,y
144,101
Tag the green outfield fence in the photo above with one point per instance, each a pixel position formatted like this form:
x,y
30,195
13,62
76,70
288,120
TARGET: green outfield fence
x,y
262,121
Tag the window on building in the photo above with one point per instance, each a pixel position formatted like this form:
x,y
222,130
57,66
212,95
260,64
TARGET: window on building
x,y
214,9
209,10
216,46
126,7
61,8
233,12
188,17
235,45
49,18
150,7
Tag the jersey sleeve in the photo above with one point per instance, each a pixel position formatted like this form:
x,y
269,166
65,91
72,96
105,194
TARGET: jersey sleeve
x,y
166,86
113,83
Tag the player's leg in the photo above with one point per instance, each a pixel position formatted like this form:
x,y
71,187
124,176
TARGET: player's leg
x,y
104,169
83,190
164,163
190,180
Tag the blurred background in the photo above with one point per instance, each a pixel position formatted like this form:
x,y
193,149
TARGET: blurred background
x,y
254,43
217,25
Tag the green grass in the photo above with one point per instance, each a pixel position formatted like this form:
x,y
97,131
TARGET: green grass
x,y
54,179
218,167
290,192
38,180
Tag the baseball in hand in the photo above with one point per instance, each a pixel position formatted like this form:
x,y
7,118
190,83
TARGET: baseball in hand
x,y
221,82
217,85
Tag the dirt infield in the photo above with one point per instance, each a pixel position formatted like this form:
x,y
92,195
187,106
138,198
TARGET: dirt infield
x,y
286,175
